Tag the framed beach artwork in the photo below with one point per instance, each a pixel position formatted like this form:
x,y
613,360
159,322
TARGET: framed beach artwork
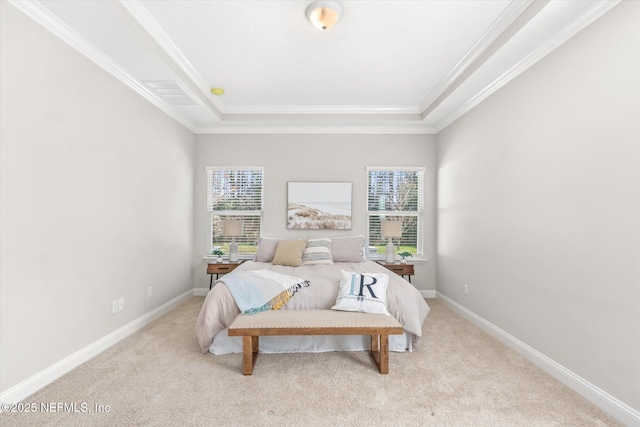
x,y
319,205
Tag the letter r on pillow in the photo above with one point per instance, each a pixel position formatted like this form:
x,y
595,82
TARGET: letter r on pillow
x,y
368,286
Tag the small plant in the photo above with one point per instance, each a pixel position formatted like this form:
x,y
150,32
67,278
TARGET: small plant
x,y
404,254
218,252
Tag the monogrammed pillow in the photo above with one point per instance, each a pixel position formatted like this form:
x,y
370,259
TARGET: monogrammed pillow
x,y
363,292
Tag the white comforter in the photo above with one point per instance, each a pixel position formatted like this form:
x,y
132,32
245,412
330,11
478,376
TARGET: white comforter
x,y
404,302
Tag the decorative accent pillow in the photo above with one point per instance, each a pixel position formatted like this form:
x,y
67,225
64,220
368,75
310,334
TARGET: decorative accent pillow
x,y
363,292
289,252
348,249
266,249
318,251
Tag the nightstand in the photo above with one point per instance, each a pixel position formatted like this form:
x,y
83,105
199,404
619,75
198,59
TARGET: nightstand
x,y
221,268
400,269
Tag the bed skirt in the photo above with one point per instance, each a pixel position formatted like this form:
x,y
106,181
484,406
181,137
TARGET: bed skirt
x,y
224,344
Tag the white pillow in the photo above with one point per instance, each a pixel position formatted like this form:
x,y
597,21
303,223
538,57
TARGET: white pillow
x,y
366,292
348,249
266,249
318,251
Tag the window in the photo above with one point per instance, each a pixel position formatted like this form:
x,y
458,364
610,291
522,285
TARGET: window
x,y
395,194
234,193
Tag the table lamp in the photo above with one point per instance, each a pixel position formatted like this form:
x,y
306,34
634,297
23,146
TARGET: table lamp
x,y
233,228
391,229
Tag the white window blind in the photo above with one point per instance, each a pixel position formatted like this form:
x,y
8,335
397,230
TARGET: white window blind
x,y
395,194
235,193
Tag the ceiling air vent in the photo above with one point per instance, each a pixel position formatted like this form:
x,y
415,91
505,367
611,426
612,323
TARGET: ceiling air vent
x,y
170,92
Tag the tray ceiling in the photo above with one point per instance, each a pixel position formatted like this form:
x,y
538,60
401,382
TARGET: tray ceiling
x,y
386,67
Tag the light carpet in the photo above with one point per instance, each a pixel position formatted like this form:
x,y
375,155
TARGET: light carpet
x,y
459,376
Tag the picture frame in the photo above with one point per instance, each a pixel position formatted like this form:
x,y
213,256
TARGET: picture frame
x,y
319,205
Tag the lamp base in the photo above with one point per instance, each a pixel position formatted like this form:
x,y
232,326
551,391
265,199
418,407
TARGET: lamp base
x,y
233,252
390,256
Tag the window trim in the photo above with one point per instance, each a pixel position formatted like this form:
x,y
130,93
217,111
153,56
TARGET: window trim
x,y
210,213
419,213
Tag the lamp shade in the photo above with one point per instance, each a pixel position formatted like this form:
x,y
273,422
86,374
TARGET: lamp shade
x,y
232,227
323,14
391,228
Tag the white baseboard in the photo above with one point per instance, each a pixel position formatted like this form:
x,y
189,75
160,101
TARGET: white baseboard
x,y
595,395
200,292
428,294
34,383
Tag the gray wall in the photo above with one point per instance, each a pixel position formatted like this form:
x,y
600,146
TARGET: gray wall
x,y
96,201
314,158
539,206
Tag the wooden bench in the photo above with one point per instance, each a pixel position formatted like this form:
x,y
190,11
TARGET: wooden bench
x,y
315,322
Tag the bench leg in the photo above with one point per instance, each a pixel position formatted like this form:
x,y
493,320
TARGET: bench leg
x,y
380,352
249,353
384,354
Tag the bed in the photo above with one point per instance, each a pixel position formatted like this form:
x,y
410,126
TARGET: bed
x,y
323,272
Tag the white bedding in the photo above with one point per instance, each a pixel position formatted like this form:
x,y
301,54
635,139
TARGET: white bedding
x,y
219,310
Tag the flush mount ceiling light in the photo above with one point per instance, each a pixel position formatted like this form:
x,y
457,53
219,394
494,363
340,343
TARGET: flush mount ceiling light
x,y
323,14
217,91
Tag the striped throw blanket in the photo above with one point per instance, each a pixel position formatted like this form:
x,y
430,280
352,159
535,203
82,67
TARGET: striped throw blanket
x,y
259,290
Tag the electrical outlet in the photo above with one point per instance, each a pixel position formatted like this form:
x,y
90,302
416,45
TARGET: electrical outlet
x,y
114,307
466,289
149,292
121,304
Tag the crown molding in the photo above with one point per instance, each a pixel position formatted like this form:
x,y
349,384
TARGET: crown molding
x,y
323,109
552,43
61,30
506,18
147,27
175,59
315,129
